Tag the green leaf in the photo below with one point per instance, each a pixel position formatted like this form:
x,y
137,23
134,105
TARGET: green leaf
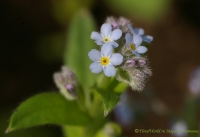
x,y
78,46
110,90
47,108
96,111
109,98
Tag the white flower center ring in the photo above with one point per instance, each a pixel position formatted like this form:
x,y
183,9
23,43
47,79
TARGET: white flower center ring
x,y
106,39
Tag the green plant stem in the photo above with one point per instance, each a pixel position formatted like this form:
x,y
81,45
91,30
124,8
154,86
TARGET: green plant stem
x,y
95,110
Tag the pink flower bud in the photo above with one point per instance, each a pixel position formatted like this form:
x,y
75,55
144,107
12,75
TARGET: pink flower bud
x,y
114,25
70,75
147,72
69,87
142,62
131,63
124,22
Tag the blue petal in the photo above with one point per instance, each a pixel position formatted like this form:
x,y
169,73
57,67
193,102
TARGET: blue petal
x,y
109,70
147,38
116,59
99,42
139,31
116,34
106,50
128,38
141,49
114,44
96,67
131,28
106,29
94,55
96,36
136,53
137,40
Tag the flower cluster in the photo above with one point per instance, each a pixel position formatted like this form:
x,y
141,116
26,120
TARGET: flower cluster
x,y
105,60
117,35
66,82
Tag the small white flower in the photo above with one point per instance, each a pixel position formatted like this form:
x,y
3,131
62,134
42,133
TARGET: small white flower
x,y
107,35
105,60
140,31
133,43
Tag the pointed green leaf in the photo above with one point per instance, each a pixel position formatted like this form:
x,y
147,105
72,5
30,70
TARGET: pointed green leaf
x,y
110,89
78,46
47,108
110,99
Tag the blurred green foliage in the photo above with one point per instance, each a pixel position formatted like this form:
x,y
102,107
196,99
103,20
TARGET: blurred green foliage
x,y
78,45
148,10
64,10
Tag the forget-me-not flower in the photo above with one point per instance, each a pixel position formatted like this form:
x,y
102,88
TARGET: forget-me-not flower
x,y
105,60
133,43
107,35
140,31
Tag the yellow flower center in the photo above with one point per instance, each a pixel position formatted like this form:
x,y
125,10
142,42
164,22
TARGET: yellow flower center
x,y
106,39
132,46
104,61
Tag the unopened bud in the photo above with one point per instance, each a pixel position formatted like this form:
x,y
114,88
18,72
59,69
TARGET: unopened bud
x,y
147,72
114,25
58,77
69,87
113,22
142,62
131,63
70,75
124,22
66,82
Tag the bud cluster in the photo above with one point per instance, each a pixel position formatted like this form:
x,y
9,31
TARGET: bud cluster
x,y
138,72
66,82
120,23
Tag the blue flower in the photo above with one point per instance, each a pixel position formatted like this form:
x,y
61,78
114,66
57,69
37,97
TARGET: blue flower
x,y
105,60
107,35
133,43
140,31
